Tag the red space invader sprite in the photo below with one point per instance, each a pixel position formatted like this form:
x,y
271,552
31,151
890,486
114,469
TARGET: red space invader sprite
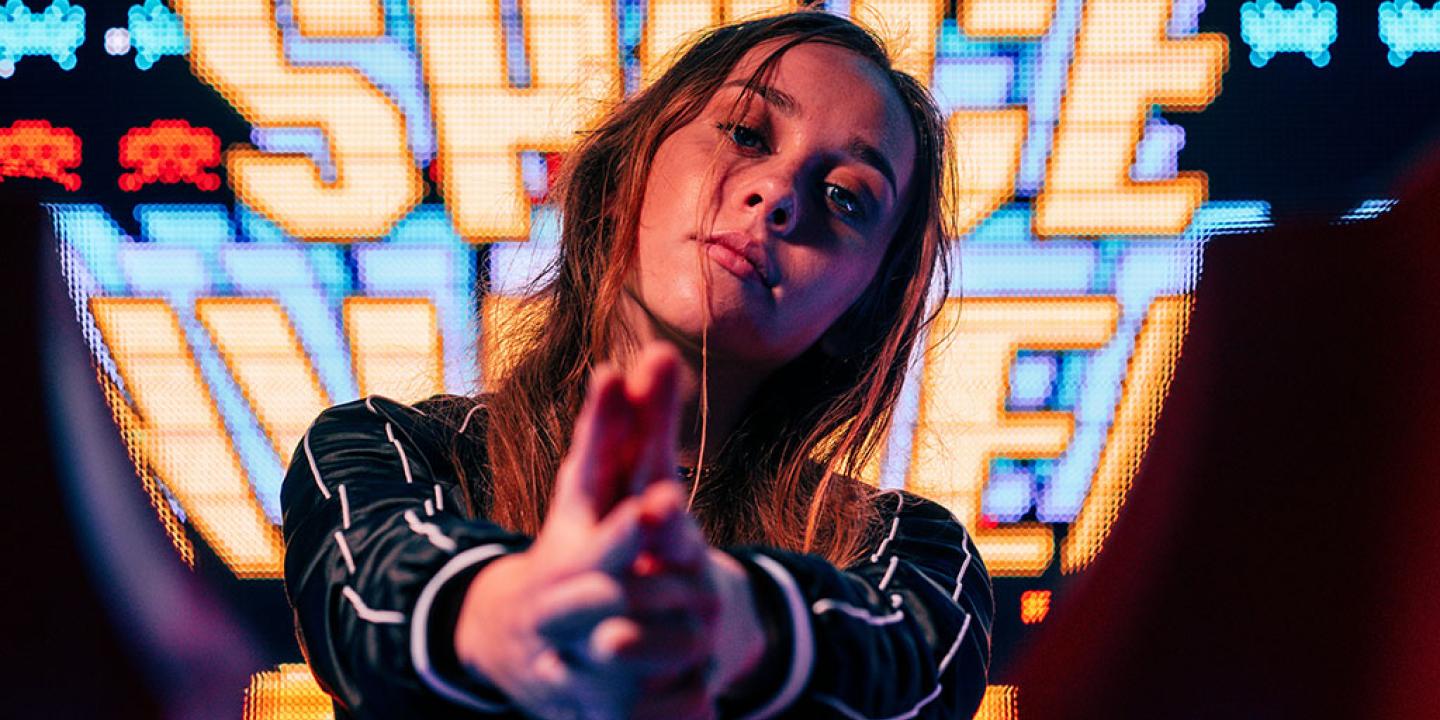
x,y
35,149
169,151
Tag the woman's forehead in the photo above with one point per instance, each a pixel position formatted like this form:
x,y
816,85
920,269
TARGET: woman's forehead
x,y
824,70
835,87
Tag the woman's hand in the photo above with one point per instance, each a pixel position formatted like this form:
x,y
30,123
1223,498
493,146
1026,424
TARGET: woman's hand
x,y
611,612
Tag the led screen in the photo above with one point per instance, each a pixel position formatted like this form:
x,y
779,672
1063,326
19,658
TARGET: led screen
x,y
267,207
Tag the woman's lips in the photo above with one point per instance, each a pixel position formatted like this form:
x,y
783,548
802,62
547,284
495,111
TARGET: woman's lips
x,y
734,262
742,255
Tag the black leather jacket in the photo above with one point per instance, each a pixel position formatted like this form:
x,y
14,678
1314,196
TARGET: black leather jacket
x,y
379,551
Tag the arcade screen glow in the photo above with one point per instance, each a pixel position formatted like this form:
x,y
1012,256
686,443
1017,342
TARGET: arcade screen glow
x,y
266,207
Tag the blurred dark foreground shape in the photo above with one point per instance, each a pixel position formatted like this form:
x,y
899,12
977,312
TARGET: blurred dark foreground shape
x,y
1279,555
64,656
103,619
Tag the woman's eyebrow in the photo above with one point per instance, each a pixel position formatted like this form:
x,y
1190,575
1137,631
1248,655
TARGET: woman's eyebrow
x,y
866,153
855,148
781,100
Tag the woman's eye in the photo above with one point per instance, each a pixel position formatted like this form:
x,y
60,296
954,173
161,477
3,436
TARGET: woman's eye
x,y
847,201
743,135
749,138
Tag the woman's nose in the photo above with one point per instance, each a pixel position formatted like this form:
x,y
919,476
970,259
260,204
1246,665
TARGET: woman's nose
x,y
776,200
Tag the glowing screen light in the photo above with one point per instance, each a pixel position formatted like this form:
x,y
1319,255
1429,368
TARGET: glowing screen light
x,y
1309,28
1034,606
169,151
35,149
1407,28
372,228
258,309
155,31
396,318
55,32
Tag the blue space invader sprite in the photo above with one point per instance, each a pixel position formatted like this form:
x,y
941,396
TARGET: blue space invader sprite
x,y
56,31
1309,28
1406,28
156,31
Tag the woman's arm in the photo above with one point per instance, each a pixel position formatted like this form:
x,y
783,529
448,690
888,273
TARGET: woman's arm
x,y
377,559
905,633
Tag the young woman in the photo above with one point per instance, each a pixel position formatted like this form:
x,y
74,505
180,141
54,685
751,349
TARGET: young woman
x,y
653,514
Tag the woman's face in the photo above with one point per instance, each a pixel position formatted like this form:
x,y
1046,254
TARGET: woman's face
x,y
778,215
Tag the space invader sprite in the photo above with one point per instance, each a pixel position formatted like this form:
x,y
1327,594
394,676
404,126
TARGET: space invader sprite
x,y
155,31
1407,28
1308,28
169,151
56,32
35,149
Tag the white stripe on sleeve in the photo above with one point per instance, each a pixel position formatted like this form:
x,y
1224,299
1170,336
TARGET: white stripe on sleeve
x,y
404,461
379,617
344,508
419,630
314,469
345,551
431,531
802,657
825,605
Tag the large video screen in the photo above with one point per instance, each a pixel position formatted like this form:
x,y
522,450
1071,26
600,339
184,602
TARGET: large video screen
x,y
267,207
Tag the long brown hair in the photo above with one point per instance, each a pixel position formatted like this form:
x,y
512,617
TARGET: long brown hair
x,y
783,477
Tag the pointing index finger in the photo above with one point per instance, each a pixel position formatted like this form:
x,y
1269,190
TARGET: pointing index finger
x,y
587,481
654,387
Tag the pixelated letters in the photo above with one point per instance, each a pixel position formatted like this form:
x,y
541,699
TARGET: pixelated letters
x,y
1124,64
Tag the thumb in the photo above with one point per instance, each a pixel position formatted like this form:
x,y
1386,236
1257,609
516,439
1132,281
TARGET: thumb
x,y
673,537
628,530
619,538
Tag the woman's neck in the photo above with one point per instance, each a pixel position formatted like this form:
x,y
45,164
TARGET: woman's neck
x,y
726,393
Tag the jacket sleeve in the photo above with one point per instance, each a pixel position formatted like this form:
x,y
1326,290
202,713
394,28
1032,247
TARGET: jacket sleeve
x,y
378,553
905,633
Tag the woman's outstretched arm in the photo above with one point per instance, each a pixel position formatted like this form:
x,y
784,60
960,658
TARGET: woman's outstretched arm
x,y
378,557
385,573
905,633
